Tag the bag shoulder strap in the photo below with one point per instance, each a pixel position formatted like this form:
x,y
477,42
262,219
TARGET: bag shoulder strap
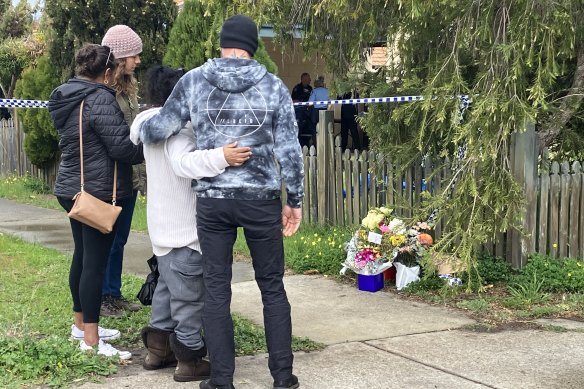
x,y
81,155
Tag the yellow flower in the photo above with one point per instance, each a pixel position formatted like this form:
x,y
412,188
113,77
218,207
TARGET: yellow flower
x,y
555,245
569,274
301,238
386,211
397,240
314,243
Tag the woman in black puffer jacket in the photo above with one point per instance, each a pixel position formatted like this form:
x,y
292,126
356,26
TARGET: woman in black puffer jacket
x,y
105,141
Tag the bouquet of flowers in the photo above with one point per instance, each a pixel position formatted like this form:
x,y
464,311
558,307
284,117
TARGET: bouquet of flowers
x,y
382,239
376,243
416,243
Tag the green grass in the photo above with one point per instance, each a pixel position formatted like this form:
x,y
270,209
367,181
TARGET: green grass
x,y
36,317
139,218
313,249
30,190
477,305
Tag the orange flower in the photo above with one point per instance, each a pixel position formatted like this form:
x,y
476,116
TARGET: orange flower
x,y
425,239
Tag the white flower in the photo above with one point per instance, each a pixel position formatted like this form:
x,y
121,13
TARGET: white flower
x,y
397,226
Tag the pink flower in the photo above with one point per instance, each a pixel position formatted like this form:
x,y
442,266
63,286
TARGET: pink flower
x,y
384,228
363,257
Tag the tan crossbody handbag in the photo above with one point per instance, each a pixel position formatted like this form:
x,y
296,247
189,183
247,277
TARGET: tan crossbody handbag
x,y
90,210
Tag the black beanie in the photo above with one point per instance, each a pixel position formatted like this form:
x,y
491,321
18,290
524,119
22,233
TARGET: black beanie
x,y
239,32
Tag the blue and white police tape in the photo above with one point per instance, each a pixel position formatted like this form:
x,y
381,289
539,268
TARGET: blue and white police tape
x,y
465,101
15,103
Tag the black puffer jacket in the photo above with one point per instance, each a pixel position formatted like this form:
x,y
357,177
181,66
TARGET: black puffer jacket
x,y
105,140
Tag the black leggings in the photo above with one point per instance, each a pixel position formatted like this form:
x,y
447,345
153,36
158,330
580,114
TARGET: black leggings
x,y
88,266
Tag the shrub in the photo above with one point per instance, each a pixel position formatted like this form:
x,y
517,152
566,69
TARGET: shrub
x,y
492,270
36,185
425,284
556,275
41,141
197,20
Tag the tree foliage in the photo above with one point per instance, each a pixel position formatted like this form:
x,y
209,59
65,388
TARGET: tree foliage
x,y
18,47
520,61
194,37
41,141
75,22
188,46
15,21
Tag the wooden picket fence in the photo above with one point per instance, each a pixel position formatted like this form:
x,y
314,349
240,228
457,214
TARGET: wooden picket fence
x,y
340,188
13,159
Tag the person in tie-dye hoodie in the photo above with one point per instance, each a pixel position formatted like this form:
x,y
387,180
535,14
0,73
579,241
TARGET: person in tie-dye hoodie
x,y
235,99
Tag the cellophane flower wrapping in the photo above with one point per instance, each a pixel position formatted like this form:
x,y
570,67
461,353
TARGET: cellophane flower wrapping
x,y
380,239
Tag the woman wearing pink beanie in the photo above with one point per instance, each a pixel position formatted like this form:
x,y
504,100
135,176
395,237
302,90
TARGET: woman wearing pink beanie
x,y
126,46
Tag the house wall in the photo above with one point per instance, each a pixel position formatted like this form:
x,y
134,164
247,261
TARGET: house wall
x,y
292,62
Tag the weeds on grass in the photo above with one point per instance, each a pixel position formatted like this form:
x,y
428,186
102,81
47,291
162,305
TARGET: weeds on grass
x,y
529,293
28,190
558,274
317,249
476,305
25,362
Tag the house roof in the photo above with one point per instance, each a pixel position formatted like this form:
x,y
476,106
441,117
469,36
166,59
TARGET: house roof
x,y
378,56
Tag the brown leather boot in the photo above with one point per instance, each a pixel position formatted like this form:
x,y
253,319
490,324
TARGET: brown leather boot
x,y
191,365
157,342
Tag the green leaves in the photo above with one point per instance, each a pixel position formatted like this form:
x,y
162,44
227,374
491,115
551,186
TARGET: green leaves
x,y
77,22
41,142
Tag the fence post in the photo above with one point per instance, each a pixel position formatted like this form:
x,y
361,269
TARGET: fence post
x,y
524,154
324,170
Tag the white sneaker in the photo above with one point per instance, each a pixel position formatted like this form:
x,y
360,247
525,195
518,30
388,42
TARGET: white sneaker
x,y
103,333
106,349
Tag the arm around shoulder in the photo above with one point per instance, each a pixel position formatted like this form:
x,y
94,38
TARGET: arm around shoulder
x,y
188,162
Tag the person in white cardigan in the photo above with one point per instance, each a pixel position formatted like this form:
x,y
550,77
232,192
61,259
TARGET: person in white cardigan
x,y
174,330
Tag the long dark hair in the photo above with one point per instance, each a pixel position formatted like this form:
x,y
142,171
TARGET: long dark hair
x,y
160,81
93,60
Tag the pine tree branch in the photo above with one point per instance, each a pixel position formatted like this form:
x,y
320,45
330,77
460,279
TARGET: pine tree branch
x,y
551,128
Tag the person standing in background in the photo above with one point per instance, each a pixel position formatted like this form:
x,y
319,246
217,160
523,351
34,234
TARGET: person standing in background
x,y
300,94
349,124
319,93
126,45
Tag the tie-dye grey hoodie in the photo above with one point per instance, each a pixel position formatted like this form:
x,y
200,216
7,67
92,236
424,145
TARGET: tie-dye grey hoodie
x,y
228,100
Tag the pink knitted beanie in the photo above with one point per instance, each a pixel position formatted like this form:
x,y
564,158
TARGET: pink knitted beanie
x,y
123,41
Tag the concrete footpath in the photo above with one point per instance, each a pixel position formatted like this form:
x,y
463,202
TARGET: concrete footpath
x,y
373,340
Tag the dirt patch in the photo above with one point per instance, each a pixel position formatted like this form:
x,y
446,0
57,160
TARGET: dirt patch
x,y
499,327
241,258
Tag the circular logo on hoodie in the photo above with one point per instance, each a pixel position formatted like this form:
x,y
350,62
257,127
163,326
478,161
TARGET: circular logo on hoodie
x,y
237,114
